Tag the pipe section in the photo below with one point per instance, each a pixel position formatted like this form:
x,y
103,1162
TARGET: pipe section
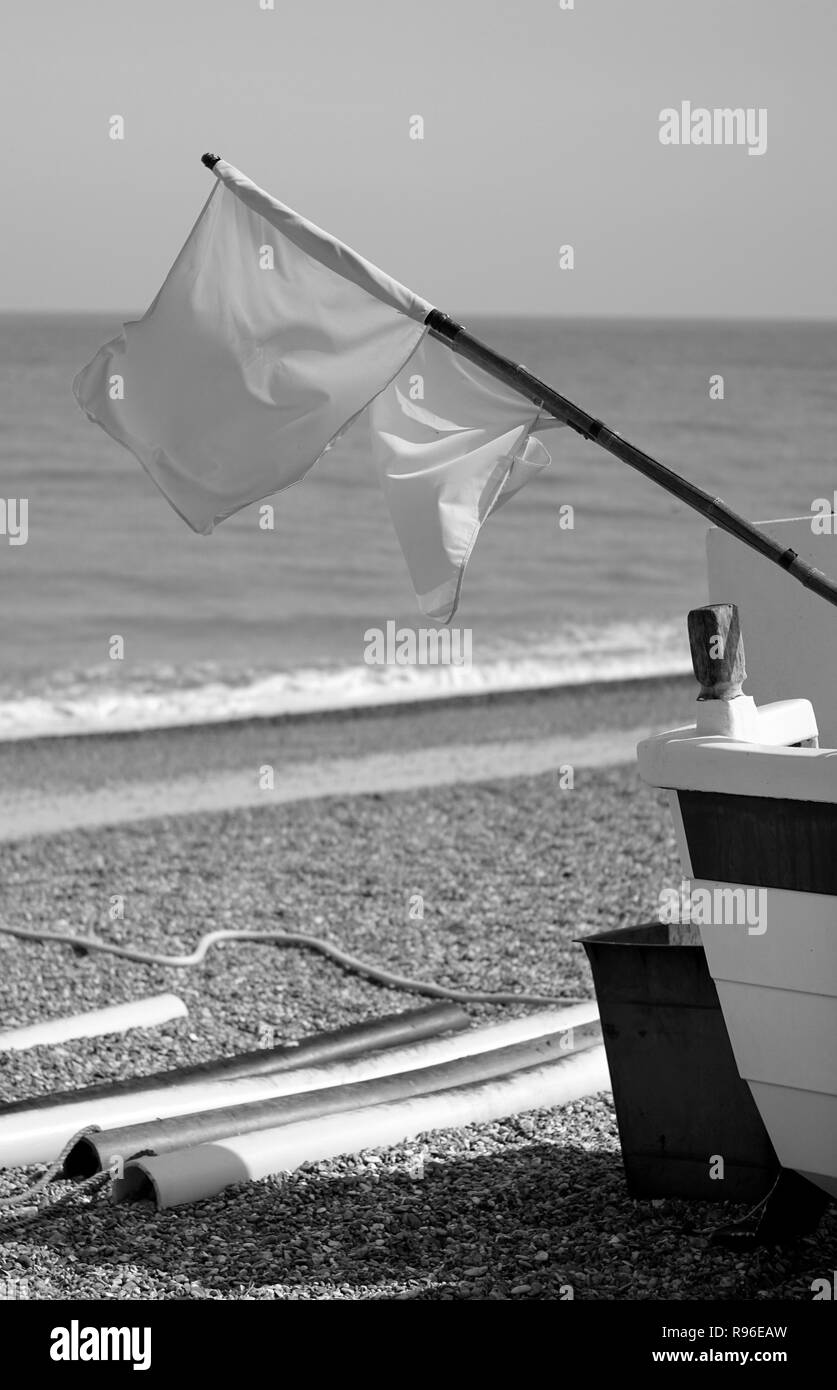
x,y
390,1030
38,1133
190,1175
117,1018
95,1152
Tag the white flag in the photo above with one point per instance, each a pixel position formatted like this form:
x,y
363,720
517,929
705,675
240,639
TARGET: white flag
x,y
266,340
451,444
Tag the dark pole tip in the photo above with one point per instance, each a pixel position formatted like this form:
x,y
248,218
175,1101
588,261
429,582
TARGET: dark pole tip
x,y
210,160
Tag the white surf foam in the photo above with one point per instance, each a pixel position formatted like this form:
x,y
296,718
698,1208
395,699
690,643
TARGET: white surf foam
x,y
94,704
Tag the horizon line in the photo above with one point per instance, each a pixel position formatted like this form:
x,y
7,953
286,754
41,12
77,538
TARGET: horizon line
x,y
131,315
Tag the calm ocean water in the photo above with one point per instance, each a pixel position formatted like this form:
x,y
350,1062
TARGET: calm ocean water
x,y
250,621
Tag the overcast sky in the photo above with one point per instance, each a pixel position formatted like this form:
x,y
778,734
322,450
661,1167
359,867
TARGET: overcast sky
x,y
541,129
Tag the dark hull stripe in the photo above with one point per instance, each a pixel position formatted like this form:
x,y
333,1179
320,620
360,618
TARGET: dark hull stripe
x,y
764,841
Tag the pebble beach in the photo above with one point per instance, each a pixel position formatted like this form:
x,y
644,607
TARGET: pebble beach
x,y
511,871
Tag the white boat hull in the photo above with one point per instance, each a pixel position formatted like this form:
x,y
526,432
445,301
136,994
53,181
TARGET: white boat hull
x,y
765,820
783,1035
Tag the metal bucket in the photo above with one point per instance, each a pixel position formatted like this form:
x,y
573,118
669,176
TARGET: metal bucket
x,y
680,1103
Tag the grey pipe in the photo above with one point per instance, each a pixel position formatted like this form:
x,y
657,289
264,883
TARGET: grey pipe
x,y
95,1152
391,1030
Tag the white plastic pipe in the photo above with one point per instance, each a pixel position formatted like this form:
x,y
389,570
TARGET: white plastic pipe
x,y
38,1135
190,1175
118,1018
99,1148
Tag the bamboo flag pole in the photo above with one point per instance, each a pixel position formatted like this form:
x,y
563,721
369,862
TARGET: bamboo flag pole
x,y
714,509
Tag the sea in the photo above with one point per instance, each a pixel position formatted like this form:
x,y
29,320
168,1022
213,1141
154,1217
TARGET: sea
x,y
254,622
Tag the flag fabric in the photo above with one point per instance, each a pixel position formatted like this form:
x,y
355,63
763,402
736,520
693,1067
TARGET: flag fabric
x,y
451,445
266,341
